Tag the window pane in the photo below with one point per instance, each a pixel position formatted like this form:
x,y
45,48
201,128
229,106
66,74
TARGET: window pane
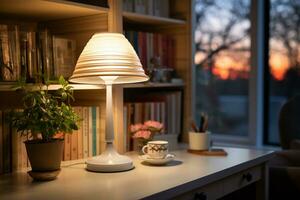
x,y
284,59
222,38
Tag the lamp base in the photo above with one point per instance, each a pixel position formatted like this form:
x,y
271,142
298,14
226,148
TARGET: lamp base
x,y
109,161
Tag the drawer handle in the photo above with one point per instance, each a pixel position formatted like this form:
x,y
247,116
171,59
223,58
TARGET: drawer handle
x,y
200,196
248,177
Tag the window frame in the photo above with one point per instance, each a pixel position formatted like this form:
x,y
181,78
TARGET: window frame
x,y
258,96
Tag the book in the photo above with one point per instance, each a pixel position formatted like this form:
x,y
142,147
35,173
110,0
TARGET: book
x,y
5,60
74,145
128,5
85,131
16,162
153,45
80,133
47,49
140,6
98,135
90,135
14,51
7,145
102,127
74,141
1,143
149,7
67,147
94,130
25,160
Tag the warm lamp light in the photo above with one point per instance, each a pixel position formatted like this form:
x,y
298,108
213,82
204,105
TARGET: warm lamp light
x,y
108,58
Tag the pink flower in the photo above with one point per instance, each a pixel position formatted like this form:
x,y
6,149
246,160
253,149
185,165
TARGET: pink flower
x,y
142,134
146,130
135,128
154,124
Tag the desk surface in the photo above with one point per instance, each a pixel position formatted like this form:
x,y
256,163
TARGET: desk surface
x,y
187,172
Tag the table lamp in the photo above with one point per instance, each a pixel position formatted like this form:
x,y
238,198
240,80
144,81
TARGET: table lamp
x,y
108,58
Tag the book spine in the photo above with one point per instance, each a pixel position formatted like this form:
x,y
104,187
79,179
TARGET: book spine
x,y
5,61
102,127
90,132
16,148
64,51
178,106
25,161
125,135
156,7
32,57
80,134
1,143
67,147
149,7
98,139
74,145
85,131
94,131
14,52
74,142
7,141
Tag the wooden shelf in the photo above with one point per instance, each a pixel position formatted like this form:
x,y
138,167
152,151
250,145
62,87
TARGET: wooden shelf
x,y
154,85
149,19
9,86
43,10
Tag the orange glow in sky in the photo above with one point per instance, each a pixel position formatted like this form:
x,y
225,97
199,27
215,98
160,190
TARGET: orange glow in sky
x,y
227,68
279,65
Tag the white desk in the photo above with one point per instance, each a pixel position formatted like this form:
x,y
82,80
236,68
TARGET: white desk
x,y
213,177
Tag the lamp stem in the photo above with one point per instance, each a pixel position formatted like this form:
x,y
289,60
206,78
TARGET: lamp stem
x,y
109,126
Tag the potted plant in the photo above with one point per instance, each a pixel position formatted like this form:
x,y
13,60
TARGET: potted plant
x,y
45,114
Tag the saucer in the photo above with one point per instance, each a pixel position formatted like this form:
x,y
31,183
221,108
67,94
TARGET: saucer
x,y
157,161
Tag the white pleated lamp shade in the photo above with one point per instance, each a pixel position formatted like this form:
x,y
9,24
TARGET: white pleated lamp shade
x,y
108,55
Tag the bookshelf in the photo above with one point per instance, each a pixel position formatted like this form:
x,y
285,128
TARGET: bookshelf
x,y
45,10
79,21
137,18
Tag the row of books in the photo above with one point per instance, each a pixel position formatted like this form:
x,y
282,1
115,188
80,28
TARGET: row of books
x,y
28,54
152,45
89,140
150,7
86,142
164,108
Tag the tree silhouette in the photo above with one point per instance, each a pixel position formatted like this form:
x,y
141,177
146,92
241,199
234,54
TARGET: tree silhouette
x,y
285,28
213,40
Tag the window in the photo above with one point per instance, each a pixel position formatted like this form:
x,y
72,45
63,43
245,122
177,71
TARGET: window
x,y
222,60
284,60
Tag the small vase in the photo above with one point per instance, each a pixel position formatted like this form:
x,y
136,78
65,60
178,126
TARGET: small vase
x,y
140,144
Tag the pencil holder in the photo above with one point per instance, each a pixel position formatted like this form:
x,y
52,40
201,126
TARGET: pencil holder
x,y
199,140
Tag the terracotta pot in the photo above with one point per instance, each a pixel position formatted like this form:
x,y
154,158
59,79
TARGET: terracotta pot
x,y
44,156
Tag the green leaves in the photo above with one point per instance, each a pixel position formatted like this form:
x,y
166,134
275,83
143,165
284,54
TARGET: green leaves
x,y
47,112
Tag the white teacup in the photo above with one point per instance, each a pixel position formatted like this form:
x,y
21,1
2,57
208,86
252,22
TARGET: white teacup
x,y
156,149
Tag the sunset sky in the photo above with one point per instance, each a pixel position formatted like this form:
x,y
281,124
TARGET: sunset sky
x,y
233,64
228,68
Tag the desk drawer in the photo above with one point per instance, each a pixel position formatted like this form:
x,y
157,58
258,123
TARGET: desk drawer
x,y
242,179
208,192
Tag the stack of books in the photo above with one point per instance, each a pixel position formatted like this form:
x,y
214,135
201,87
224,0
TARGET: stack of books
x,y
153,45
164,108
34,55
158,8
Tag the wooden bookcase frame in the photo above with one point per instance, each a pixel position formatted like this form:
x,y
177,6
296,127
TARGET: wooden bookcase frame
x,y
84,20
